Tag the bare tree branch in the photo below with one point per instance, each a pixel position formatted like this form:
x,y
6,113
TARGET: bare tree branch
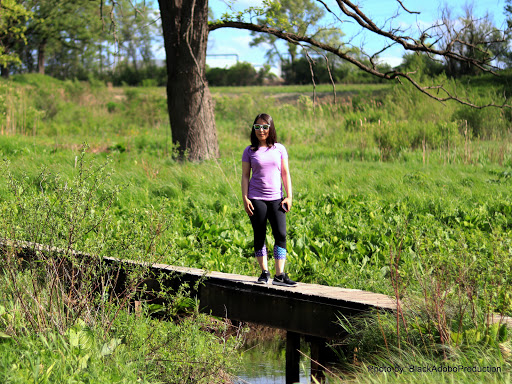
x,y
311,62
418,46
330,77
368,24
331,12
399,2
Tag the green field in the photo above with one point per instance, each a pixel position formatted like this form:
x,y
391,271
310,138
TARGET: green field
x,y
393,193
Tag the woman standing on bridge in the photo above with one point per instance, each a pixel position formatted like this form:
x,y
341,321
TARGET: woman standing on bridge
x,y
263,196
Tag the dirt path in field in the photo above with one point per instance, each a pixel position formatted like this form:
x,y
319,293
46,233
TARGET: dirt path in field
x,y
293,97
321,97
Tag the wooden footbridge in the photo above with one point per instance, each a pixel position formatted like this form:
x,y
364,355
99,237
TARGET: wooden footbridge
x,y
308,311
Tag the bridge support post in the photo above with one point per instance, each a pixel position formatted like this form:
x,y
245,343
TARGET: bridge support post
x,y
318,347
292,357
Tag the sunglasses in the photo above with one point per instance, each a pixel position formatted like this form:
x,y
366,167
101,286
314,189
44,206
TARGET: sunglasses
x,y
257,127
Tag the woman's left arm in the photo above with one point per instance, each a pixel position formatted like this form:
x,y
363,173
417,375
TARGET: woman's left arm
x,y
287,181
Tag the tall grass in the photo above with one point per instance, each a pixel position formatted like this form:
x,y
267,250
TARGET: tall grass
x,y
66,316
374,352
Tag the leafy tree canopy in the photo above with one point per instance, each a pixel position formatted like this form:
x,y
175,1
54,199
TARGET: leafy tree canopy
x,y
13,18
301,17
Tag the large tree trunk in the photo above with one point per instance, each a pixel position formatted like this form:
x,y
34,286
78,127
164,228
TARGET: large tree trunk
x,y
190,105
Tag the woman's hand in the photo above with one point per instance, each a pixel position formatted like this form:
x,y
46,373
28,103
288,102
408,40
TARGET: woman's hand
x,y
249,208
287,181
286,204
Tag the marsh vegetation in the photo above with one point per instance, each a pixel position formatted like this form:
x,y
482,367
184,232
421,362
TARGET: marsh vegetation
x,y
394,193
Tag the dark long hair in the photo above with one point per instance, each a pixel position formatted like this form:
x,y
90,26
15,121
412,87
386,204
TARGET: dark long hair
x,y
271,139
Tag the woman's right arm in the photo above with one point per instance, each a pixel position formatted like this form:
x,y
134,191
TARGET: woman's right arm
x,y
246,174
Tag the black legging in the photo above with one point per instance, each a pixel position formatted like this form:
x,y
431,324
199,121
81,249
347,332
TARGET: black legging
x,y
276,215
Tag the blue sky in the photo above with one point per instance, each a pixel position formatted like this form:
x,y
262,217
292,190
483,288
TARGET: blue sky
x,y
234,41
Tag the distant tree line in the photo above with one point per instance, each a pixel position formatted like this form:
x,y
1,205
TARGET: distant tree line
x,y
85,39
299,71
241,73
80,39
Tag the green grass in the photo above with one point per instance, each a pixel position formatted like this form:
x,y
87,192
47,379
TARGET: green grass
x,y
335,168
377,354
137,349
392,191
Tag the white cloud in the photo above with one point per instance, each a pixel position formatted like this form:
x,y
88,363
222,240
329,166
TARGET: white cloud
x,y
234,41
220,7
244,4
392,61
220,61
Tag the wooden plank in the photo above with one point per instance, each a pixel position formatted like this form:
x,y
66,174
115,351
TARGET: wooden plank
x,y
305,290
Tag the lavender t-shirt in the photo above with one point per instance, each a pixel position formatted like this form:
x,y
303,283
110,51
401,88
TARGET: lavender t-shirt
x,y
265,183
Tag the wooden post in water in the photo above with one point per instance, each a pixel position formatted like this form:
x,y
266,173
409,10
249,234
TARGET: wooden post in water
x,y
318,349
292,357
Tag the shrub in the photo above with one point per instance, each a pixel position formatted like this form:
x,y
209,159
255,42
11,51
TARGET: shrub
x,y
483,123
